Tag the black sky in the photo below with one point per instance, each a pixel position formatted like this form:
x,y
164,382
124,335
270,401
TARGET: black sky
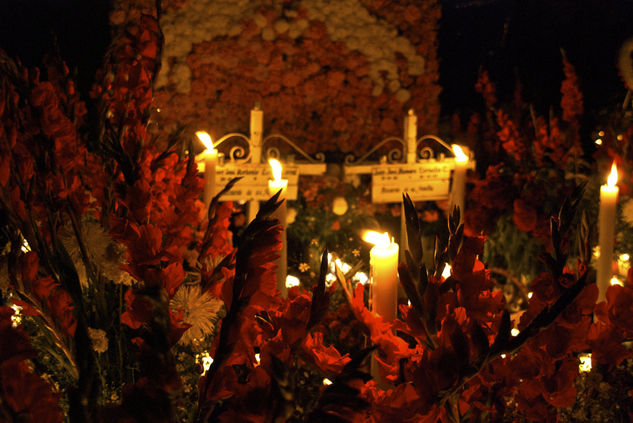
x,y
525,38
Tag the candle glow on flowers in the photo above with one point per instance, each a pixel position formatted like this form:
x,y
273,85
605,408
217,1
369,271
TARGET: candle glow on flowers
x,y
585,363
292,281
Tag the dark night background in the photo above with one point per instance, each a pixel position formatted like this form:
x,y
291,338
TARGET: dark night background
x,y
509,38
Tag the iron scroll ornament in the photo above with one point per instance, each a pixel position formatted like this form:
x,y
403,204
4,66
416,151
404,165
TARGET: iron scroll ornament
x,y
395,155
274,153
237,153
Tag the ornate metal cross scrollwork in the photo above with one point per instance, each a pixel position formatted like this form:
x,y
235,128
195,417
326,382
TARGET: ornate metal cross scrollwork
x,y
274,153
394,155
236,152
427,152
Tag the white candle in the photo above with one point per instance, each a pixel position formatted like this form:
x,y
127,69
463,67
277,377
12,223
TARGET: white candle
x,y
210,156
458,189
606,231
410,135
257,131
274,185
383,260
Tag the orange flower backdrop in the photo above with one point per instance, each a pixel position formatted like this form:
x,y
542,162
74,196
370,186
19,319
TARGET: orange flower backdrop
x,y
333,76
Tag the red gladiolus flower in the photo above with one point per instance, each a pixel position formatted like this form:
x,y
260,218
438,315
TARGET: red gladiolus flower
x,y
620,301
326,359
62,310
139,311
525,216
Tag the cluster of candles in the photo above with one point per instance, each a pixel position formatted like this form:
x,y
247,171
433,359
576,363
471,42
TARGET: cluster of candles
x,y
384,254
275,185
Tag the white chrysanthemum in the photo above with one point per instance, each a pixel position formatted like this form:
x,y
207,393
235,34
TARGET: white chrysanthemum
x,y
107,254
200,310
99,340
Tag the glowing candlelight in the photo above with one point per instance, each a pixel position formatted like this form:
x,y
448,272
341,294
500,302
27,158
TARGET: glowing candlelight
x,y
274,185
606,231
277,183
210,156
615,281
458,189
383,259
585,363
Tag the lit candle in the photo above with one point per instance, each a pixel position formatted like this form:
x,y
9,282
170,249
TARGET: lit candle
x,y
383,260
274,185
458,189
210,156
255,143
606,231
410,137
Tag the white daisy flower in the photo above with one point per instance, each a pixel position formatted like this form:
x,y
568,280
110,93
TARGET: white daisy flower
x,y
200,310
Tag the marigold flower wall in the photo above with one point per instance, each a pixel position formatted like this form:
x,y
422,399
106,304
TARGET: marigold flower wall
x,y
332,76
119,333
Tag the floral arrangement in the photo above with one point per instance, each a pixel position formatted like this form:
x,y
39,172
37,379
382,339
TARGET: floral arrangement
x,y
119,289
528,162
329,76
329,213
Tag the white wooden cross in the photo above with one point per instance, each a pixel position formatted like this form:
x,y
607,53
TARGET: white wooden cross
x,y
425,175
246,161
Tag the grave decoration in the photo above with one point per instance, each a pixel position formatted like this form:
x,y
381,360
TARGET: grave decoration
x,y
122,301
425,176
242,157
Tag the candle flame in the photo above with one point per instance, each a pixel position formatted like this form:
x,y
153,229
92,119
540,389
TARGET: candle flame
x,y
459,153
206,140
276,168
613,176
376,238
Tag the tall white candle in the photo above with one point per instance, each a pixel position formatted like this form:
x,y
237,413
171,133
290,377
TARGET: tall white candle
x,y
606,231
383,260
410,135
274,185
257,131
458,189
256,136
210,156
